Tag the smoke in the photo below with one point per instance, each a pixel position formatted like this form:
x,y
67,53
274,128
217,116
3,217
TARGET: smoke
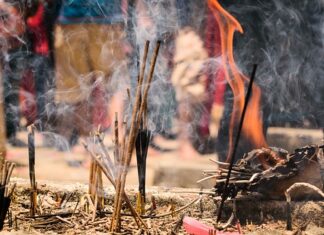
x,y
285,38
153,21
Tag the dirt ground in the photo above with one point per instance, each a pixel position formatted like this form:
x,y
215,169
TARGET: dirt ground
x,y
163,169
256,216
70,172
72,165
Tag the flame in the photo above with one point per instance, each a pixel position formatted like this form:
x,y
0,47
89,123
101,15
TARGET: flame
x,y
253,126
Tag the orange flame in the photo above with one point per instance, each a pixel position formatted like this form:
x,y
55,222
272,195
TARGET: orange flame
x,y
252,127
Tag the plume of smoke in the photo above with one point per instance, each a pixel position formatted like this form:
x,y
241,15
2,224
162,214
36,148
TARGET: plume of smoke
x,y
286,39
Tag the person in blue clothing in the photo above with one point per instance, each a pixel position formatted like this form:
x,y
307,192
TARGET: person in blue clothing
x,y
88,49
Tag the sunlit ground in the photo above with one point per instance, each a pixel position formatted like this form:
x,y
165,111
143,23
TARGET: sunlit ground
x,y
73,165
166,169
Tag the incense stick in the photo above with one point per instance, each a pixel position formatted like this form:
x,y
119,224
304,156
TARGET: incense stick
x,y
247,98
107,157
116,154
31,155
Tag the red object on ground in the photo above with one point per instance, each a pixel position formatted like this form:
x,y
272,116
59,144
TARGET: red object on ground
x,y
194,227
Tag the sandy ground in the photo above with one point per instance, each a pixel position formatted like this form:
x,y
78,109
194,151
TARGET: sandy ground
x,y
257,216
56,165
164,169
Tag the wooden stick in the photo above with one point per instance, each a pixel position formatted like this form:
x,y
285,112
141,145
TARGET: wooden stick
x,y
180,209
102,166
288,193
3,174
247,98
128,94
148,82
100,189
31,151
110,163
91,176
3,139
123,145
116,140
106,172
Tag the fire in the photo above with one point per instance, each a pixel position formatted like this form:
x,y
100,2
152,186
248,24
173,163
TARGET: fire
x,y
252,127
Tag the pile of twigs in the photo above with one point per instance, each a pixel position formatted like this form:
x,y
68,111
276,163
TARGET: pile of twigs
x,y
6,191
249,175
116,170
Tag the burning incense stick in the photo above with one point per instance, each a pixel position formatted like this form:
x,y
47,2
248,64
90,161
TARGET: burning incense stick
x,y
31,155
225,193
116,153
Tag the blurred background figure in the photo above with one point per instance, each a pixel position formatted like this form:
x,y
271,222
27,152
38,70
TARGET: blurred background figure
x,y
88,49
190,79
37,93
14,52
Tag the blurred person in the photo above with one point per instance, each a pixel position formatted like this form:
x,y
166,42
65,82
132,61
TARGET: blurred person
x,y
88,50
216,82
189,77
14,53
39,80
189,80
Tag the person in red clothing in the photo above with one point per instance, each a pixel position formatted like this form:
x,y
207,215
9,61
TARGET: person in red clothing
x,y
216,83
41,70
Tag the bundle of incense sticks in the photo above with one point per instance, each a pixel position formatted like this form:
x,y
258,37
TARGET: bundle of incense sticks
x,y
116,169
6,191
139,108
96,187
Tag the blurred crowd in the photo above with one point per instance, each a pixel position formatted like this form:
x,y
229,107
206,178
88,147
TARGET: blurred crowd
x,y
66,65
